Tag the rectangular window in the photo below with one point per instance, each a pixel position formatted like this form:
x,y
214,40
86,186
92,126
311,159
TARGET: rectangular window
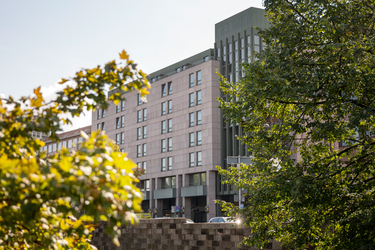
x,y
191,120
144,146
199,117
144,132
118,107
236,45
117,122
199,97
144,166
191,139
75,142
163,146
163,90
122,105
163,108
242,42
145,114
191,99
99,113
191,160
98,126
230,48
64,144
139,151
122,121
139,135
163,167
191,80
103,125
199,138
169,163
117,139
139,99
54,147
50,148
163,131
199,158
199,80
169,144
169,106
70,144
139,115
170,88
122,137
122,150
103,113
169,125
59,146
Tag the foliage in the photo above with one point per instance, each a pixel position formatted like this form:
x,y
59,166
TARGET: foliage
x,y
42,196
307,110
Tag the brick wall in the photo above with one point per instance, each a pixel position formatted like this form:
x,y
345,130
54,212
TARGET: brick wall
x,y
176,234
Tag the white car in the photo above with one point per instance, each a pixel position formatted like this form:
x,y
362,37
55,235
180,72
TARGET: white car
x,y
221,220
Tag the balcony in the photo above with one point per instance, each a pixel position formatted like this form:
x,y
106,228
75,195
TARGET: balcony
x,y
166,193
192,191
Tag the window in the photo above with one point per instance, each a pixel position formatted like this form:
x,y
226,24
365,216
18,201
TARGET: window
x,y
139,135
122,121
163,90
59,146
191,160
236,45
64,144
139,99
197,179
145,114
103,113
169,163
54,147
70,144
170,88
122,105
191,99
257,44
169,106
168,182
199,158
242,42
163,131
139,116
163,146
199,117
74,142
178,69
206,59
144,132
139,151
230,47
199,97
98,126
191,80
191,139
169,144
99,114
122,150
169,125
117,122
122,137
163,108
199,81
50,148
144,146
199,138
191,119
117,139
103,125
163,167
144,166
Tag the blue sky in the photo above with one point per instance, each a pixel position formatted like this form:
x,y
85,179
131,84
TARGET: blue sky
x,y
44,41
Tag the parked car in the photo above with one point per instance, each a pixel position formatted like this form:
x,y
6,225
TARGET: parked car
x,y
221,220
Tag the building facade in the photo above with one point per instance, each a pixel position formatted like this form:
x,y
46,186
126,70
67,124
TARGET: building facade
x,y
179,136
70,140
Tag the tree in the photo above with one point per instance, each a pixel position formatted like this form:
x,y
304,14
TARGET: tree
x,y
307,110
41,196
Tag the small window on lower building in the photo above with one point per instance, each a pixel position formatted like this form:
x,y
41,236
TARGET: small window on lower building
x,y
139,151
199,117
191,139
191,119
144,166
122,137
170,163
163,146
163,165
144,149
199,138
169,144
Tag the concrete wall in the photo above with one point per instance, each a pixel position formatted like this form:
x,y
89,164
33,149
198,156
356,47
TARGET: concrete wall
x,y
176,234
